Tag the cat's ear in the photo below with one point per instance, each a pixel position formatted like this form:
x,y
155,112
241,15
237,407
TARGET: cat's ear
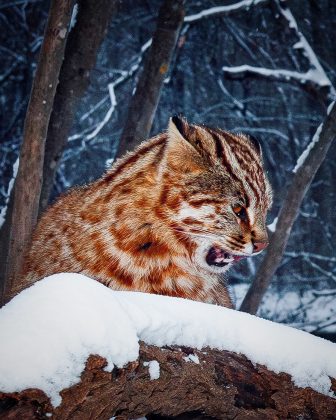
x,y
179,125
255,143
179,132
180,153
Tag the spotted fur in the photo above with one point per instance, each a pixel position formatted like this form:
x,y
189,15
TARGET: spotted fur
x,y
148,224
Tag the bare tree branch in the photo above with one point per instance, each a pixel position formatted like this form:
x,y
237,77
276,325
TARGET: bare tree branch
x,y
311,76
315,75
222,10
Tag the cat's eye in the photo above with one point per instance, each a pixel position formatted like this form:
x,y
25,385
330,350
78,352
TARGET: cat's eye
x,y
240,212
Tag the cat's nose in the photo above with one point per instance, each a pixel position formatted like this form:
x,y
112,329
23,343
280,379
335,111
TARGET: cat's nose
x,y
259,246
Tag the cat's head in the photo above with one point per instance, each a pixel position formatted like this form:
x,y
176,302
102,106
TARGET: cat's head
x,y
217,193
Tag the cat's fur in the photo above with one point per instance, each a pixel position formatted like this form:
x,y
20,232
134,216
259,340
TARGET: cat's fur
x,y
165,219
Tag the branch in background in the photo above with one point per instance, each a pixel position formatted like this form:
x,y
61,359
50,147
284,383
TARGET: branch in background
x,y
315,75
311,76
146,97
27,187
127,74
91,132
301,181
222,10
138,123
79,59
316,69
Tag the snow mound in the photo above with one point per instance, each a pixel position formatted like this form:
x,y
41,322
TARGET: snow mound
x,y
49,330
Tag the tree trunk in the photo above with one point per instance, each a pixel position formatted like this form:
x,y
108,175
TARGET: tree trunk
x,y
223,385
4,243
146,97
296,192
28,182
80,57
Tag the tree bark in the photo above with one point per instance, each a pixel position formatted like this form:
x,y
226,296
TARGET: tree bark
x,y
28,182
79,59
4,243
296,192
223,385
145,100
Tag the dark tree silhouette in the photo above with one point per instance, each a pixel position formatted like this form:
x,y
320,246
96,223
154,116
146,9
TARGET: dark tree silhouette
x,y
144,102
24,208
80,57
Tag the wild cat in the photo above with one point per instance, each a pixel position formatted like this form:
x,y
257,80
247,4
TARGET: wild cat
x,y
168,218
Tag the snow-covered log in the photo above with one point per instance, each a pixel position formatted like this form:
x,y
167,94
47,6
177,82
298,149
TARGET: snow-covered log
x,y
213,383
74,349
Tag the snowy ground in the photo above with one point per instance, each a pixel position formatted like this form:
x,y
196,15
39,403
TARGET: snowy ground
x,y
50,329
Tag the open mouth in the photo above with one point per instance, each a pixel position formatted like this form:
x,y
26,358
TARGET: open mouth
x,y
219,258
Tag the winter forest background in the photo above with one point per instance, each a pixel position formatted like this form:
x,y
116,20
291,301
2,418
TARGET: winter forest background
x,y
267,69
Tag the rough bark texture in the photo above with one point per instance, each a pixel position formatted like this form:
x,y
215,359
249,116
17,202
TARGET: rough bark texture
x,y
27,186
4,243
79,59
146,97
223,385
296,192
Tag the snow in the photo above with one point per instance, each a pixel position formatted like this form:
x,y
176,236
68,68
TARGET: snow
x,y
244,4
306,152
74,16
125,75
272,226
49,330
310,146
154,369
312,75
9,190
330,107
192,358
108,115
317,73
109,162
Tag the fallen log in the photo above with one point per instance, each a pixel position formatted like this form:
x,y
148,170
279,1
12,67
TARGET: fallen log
x,y
190,384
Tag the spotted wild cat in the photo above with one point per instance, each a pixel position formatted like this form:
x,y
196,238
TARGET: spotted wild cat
x,y
167,218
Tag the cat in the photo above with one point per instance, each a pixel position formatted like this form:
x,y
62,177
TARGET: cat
x,y
168,218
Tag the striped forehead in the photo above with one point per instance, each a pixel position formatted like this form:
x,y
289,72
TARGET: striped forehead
x,y
242,161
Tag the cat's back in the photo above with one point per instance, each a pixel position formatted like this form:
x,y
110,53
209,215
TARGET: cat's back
x,y
75,233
